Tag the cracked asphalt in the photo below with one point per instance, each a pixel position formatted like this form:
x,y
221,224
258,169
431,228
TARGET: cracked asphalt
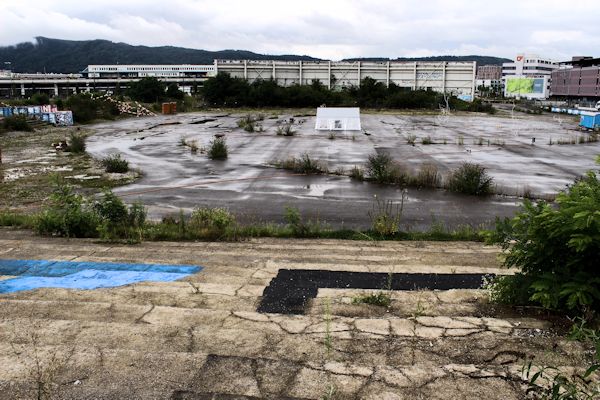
x,y
202,338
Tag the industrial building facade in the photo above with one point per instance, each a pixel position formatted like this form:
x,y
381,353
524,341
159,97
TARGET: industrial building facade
x,y
528,76
144,71
457,78
579,78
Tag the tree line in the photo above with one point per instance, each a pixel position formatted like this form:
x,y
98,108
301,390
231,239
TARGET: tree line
x,y
224,90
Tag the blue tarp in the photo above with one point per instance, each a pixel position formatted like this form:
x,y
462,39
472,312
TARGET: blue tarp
x,y
33,274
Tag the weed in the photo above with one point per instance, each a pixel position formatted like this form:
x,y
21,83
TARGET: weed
x,y
217,149
331,136
582,332
302,165
551,384
328,338
69,215
380,167
386,215
115,164
411,139
76,144
478,142
470,179
285,130
357,173
550,142
381,299
428,176
427,140
419,309
211,218
461,140
193,145
16,123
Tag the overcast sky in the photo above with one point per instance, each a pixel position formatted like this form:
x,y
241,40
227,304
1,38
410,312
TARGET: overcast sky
x,y
331,29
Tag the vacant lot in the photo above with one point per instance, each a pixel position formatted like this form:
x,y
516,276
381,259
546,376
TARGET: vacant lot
x,y
247,182
202,338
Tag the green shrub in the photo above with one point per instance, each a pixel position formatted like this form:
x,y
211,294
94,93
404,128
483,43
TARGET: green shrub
x,y
357,173
16,123
386,215
428,176
211,218
380,168
427,140
68,214
285,130
381,299
294,221
470,179
117,221
558,247
77,144
217,150
115,164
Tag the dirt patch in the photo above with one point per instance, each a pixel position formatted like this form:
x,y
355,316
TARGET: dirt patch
x,y
30,165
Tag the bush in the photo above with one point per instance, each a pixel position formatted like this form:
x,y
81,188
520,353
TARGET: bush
x,y
381,299
217,149
285,130
16,123
211,218
558,247
77,144
115,164
357,173
68,214
470,179
380,168
386,215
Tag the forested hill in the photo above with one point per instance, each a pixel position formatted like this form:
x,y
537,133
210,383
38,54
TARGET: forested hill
x,y
69,56
481,60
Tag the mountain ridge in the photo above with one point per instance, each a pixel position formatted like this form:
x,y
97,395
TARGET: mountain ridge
x,y
72,56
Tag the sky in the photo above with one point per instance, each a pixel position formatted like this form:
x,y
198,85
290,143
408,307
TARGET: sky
x,y
329,29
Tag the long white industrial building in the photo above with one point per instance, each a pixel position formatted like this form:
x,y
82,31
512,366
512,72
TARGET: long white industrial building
x,y
457,78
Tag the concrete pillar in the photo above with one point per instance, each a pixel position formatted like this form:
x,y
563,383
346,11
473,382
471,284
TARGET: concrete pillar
x,y
358,70
23,89
473,80
300,72
246,69
415,80
388,74
55,90
444,77
329,75
274,72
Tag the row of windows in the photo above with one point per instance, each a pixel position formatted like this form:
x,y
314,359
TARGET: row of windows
x,y
152,69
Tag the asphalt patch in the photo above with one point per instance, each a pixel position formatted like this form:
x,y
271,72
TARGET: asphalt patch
x,y
290,290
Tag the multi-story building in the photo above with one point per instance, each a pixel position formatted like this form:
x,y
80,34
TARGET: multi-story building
x,y
457,78
489,80
489,72
578,79
143,71
528,76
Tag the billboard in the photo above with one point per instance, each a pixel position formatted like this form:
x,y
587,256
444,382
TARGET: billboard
x,y
520,86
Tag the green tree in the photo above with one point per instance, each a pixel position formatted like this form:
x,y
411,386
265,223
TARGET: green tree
x,y
147,90
173,92
557,248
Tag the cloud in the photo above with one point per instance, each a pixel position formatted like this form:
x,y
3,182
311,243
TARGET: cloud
x,y
328,29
